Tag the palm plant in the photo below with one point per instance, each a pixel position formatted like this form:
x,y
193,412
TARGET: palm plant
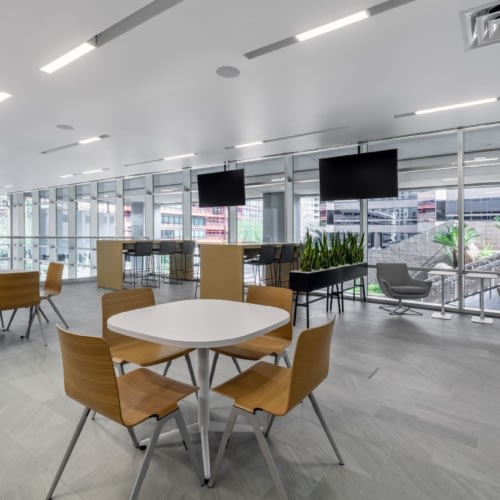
x,y
448,238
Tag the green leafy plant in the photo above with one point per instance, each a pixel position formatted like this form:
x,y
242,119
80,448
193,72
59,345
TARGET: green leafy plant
x,y
448,239
306,255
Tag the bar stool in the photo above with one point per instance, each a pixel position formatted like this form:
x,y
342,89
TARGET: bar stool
x,y
265,258
142,264
287,254
187,249
165,255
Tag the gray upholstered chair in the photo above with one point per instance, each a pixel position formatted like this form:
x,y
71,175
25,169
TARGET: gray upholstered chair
x,y
396,283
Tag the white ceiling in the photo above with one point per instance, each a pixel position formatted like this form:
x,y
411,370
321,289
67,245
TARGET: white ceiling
x,y
155,92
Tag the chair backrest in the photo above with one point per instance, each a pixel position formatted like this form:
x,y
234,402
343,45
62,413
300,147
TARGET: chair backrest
x,y
267,254
19,289
167,247
121,301
143,248
89,376
395,273
53,280
275,297
311,362
287,252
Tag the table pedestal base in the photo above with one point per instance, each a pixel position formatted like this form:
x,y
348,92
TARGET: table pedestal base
x,y
483,321
440,315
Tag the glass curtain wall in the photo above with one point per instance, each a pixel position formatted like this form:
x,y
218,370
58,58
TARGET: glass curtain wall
x,y
134,194
212,224
62,224
43,230
106,209
4,232
481,230
28,231
408,228
262,219
83,245
167,208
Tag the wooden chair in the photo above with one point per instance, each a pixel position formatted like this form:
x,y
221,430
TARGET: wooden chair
x,y
18,290
277,390
89,378
271,344
126,349
53,287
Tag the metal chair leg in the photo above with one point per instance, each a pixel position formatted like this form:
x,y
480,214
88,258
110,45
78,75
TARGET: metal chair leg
x,y
65,459
167,366
190,368
43,314
181,424
147,458
264,447
212,371
325,428
133,437
10,320
51,302
223,445
235,361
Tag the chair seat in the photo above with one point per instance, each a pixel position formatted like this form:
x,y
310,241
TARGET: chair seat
x,y
255,349
262,387
144,394
144,353
409,290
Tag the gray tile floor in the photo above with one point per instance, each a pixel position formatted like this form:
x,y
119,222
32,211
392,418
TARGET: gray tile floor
x,y
413,404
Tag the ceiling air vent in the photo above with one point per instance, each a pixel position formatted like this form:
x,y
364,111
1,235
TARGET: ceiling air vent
x,y
481,25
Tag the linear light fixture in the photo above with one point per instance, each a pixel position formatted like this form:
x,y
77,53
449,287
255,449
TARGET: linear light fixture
x,y
248,144
90,140
138,17
482,158
69,57
178,157
92,171
467,104
66,176
334,25
327,28
449,107
4,96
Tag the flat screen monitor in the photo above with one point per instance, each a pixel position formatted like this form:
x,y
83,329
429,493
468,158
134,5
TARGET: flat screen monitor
x,y
353,177
221,189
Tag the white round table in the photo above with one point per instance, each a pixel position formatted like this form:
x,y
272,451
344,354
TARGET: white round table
x,y
200,324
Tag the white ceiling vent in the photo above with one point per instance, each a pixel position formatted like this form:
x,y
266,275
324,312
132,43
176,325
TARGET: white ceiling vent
x,y
481,25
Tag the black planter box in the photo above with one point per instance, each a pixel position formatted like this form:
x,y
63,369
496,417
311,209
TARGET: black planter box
x,y
307,282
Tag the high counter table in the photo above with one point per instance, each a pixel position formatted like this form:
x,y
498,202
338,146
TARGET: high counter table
x,y
222,268
110,262
201,324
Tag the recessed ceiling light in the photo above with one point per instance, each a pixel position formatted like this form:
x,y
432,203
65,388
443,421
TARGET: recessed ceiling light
x,y
281,179
178,157
334,25
92,171
65,176
249,144
4,96
69,57
90,140
228,71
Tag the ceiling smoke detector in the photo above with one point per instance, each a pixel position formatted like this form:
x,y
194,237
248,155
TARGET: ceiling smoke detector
x,y
481,25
